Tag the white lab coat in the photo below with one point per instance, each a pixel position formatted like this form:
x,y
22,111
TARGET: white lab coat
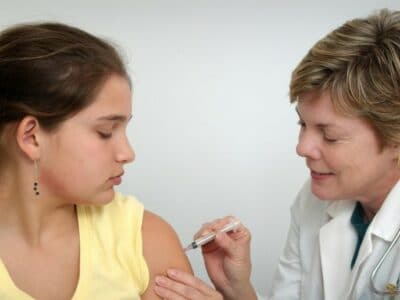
x,y
315,263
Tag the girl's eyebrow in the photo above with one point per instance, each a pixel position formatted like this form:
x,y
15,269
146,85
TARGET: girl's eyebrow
x,y
115,117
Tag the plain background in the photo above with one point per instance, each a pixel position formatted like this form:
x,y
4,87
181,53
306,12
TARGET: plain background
x,y
213,129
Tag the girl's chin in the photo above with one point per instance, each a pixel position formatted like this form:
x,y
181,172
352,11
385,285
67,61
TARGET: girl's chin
x,y
102,198
107,197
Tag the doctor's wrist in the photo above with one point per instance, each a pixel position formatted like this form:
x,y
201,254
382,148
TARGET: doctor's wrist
x,y
243,292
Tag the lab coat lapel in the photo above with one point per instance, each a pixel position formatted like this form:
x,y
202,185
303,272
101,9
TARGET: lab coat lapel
x,y
336,239
364,252
377,239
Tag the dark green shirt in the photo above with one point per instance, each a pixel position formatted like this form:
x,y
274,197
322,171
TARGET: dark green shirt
x,y
361,226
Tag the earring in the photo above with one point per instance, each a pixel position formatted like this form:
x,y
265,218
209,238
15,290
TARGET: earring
x,y
36,181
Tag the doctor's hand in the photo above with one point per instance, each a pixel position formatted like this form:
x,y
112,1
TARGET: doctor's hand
x,y
227,260
179,285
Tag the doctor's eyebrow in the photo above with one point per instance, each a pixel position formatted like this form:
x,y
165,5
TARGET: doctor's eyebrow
x,y
320,125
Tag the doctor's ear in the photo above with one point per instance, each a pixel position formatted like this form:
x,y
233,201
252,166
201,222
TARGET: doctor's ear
x,y
397,154
27,137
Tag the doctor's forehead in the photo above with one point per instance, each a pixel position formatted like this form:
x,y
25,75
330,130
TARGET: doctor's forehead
x,y
316,102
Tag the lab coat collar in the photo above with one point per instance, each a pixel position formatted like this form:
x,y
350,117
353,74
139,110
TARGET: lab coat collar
x,y
387,220
337,207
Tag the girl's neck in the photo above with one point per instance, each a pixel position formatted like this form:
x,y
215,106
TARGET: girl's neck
x,y
33,218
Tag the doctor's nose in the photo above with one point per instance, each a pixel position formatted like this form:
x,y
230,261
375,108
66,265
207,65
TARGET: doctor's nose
x,y
308,147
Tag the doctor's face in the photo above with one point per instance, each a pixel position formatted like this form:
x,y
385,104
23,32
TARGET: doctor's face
x,y
344,155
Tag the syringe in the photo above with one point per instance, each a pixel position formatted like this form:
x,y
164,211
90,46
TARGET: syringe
x,y
211,236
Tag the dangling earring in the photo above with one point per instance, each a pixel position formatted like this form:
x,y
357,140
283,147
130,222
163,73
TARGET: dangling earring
x,y
36,180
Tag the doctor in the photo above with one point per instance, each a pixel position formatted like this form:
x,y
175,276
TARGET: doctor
x,y
346,216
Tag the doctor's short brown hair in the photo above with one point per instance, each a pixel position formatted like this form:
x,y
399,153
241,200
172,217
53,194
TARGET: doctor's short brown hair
x,y
359,65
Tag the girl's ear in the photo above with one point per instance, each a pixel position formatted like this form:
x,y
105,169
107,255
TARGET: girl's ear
x,y
27,136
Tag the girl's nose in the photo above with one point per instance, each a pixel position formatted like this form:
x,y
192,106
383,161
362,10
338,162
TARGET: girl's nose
x,y
125,153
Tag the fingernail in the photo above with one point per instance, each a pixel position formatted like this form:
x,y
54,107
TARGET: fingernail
x,y
160,280
203,233
172,272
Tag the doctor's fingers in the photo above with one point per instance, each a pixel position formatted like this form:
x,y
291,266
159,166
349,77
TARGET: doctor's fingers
x,y
235,245
180,285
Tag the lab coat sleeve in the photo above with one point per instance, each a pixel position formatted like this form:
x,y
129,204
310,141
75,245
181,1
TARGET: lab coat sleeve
x,y
287,280
259,297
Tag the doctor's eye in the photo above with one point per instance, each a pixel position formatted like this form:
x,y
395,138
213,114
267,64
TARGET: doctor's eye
x,y
301,123
329,140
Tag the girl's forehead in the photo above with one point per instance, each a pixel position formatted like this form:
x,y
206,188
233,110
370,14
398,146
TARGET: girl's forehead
x,y
113,99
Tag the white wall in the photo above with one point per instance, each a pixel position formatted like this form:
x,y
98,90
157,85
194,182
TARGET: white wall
x,y
213,129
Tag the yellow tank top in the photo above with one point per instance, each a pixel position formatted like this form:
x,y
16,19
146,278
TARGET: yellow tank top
x,y
112,265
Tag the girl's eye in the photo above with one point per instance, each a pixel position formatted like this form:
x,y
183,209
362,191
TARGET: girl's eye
x,y
104,135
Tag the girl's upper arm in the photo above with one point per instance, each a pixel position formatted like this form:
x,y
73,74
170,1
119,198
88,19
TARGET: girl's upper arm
x,y
162,250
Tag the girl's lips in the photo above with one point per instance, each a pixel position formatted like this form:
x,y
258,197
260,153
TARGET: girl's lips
x,y
116,180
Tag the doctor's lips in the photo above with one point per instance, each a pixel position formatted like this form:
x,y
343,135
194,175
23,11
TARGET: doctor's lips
x,y
320,175
116,180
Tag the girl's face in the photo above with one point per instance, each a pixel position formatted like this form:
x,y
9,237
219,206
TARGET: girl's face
x,y
344,155
82,160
